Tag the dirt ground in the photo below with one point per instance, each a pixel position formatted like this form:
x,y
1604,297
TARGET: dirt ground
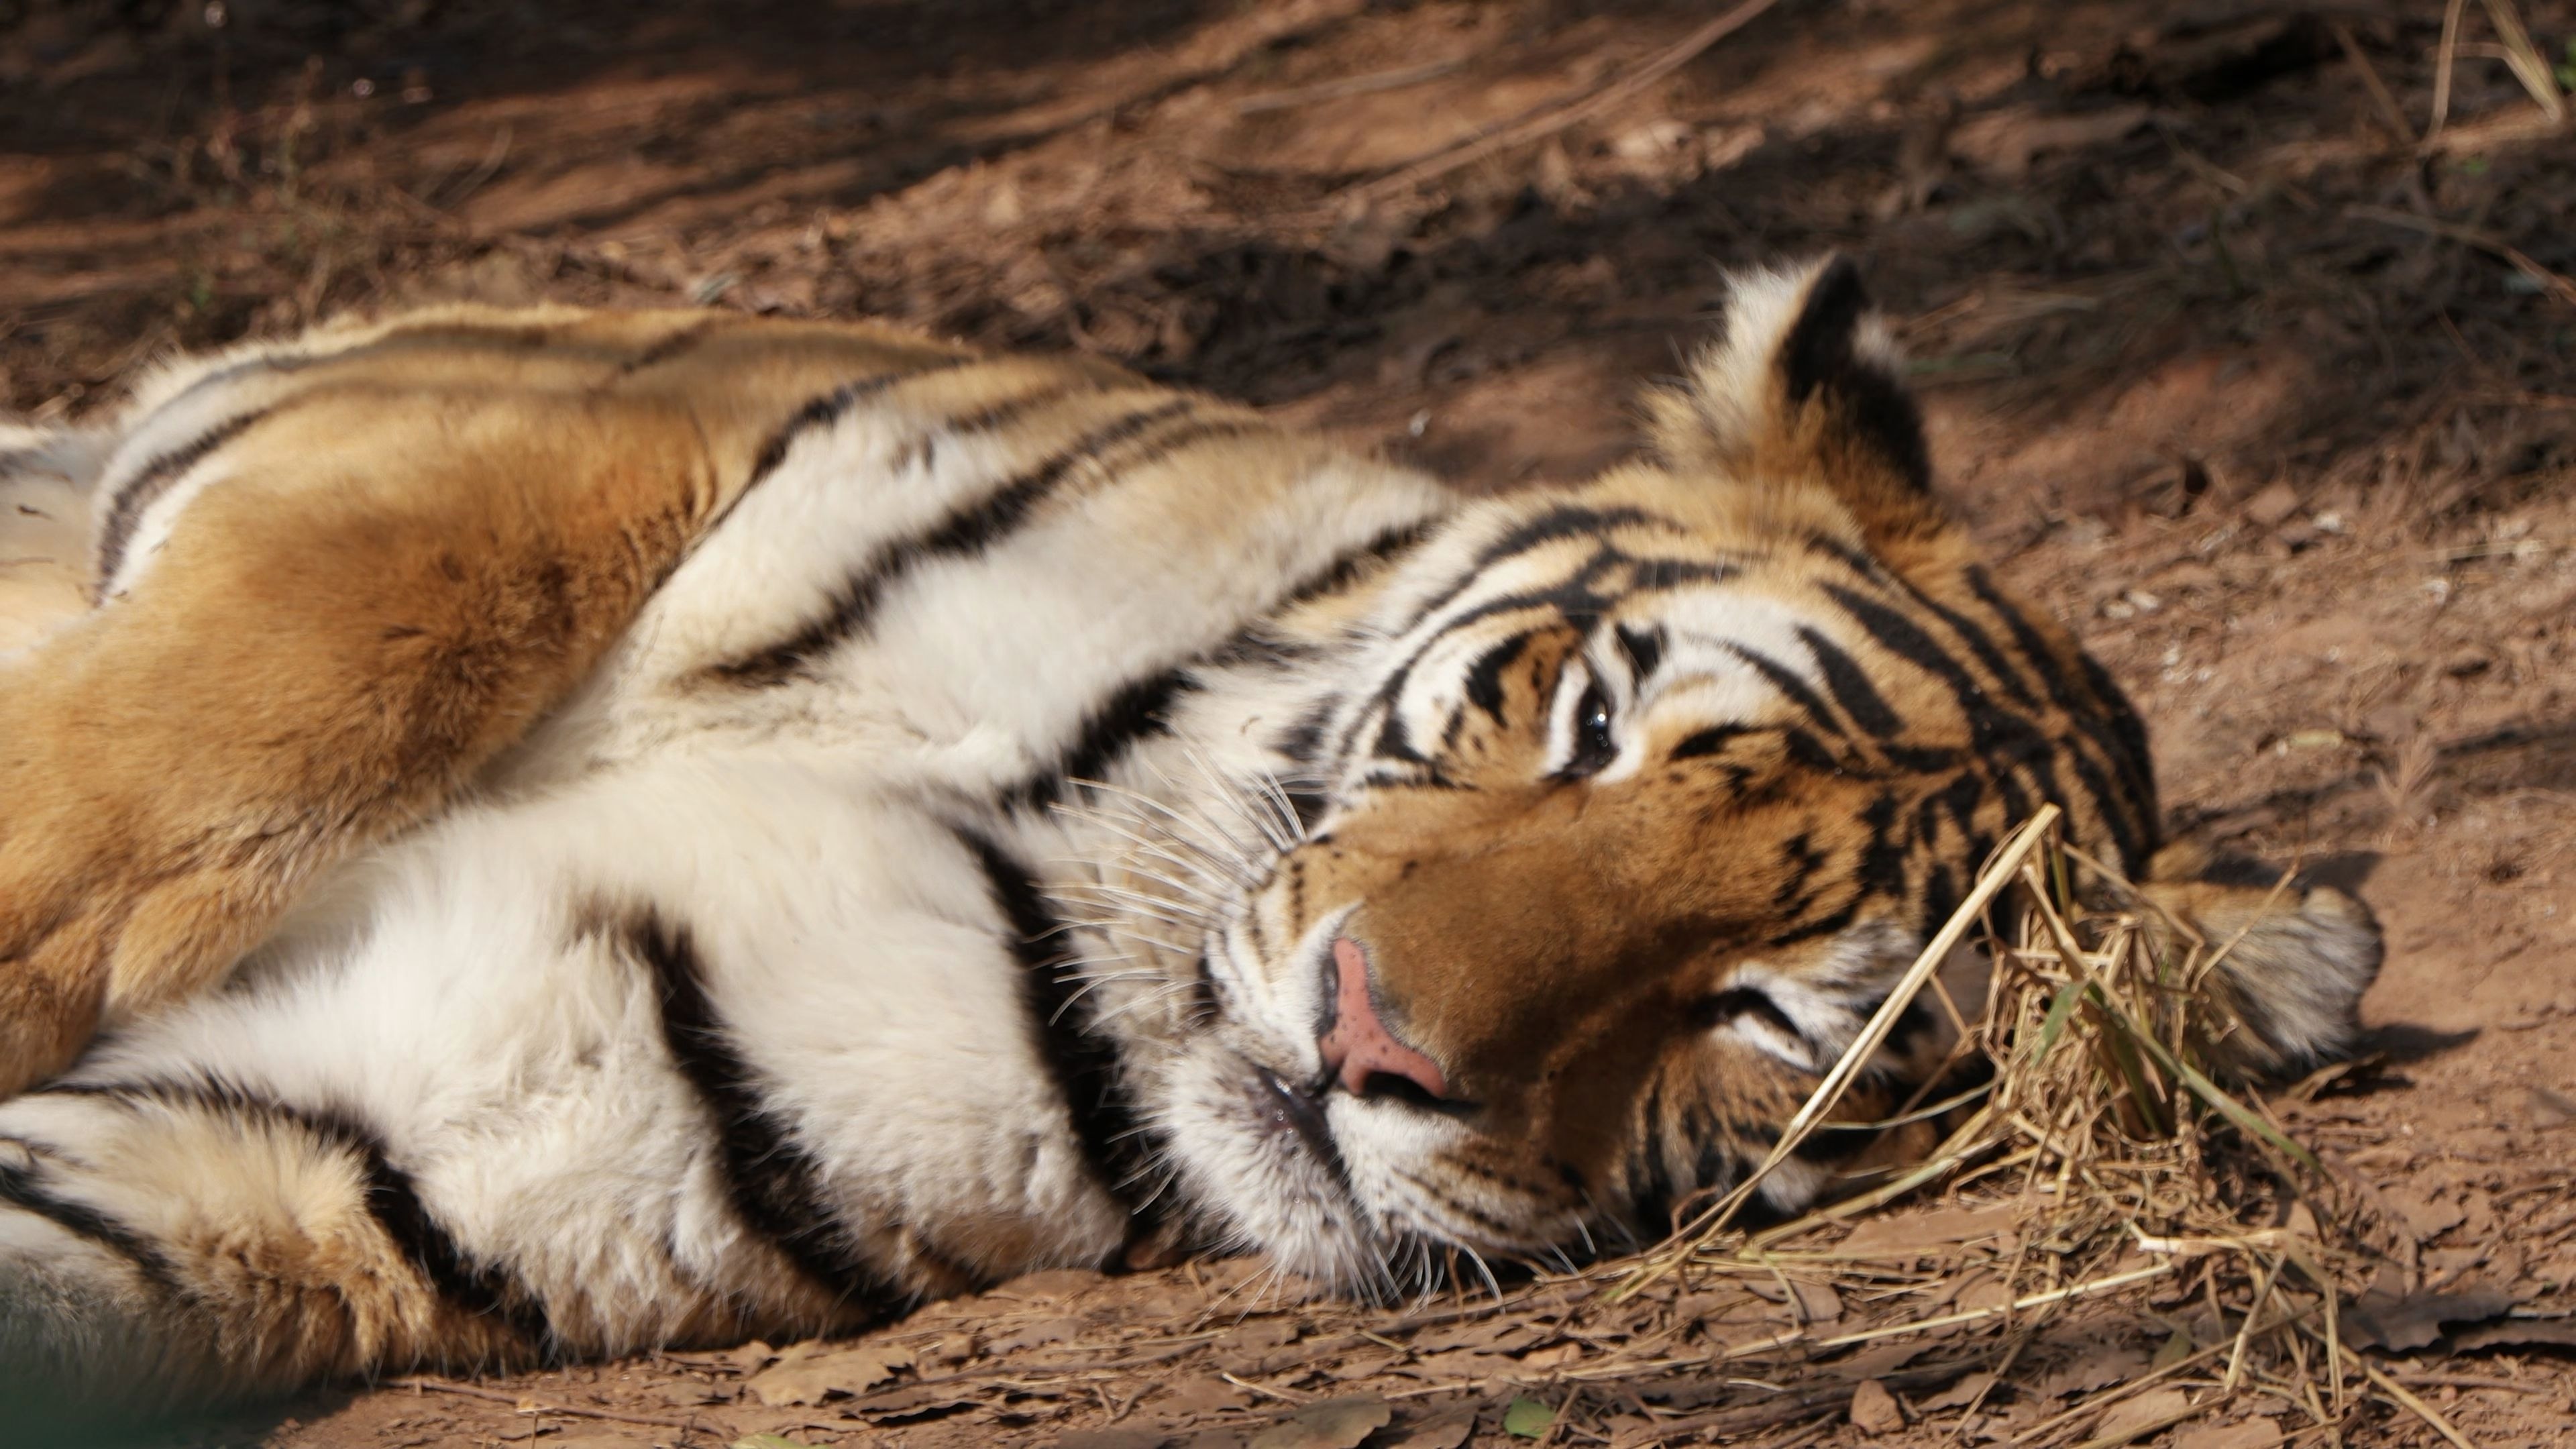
x,y
2230,357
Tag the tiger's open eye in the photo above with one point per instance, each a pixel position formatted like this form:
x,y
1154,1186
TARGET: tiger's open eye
x,y
1593,746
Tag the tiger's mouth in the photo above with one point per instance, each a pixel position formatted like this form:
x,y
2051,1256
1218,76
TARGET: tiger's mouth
x,y
1291,1116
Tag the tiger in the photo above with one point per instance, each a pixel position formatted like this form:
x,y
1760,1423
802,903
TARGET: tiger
x,y
537,835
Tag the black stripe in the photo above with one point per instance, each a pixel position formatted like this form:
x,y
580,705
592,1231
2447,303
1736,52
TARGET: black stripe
x,y
1190,435
1576,600
154,479
1644,648
1546,528
964,531
1064,1021
2119,736
391,1196
831,407
1261,643
1356,562
1870,406
1708,741
1305,736
1849,684
1782,678
2128,733
923,451
23,1188
773,1182
1485,676
1139,710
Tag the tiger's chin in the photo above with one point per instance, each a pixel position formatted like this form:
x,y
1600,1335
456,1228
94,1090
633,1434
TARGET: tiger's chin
x,y
1257,1158
1330,1190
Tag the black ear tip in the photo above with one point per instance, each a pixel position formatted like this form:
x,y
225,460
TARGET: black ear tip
x,y
1818,348
1825,349
1839,280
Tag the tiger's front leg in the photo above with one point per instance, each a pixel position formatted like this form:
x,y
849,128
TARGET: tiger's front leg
x,y
330,641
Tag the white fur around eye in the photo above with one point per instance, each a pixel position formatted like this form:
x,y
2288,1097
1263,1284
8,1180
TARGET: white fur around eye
x,y
1571,686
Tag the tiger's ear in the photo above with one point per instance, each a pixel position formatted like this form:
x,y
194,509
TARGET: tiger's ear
x,y
1804,389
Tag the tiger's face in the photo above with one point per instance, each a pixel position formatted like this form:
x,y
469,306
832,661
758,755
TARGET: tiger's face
x,y
1642,797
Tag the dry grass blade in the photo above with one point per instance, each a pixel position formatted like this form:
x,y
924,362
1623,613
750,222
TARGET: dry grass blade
x,y
2379,94
2542,277
2524,59
1855,1057
1555,116
2127,1168
1347,86
2445,56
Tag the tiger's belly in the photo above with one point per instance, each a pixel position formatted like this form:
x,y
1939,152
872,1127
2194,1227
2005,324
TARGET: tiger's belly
x,y
703,1044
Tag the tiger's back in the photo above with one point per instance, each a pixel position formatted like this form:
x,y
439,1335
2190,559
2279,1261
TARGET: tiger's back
x,y
710,826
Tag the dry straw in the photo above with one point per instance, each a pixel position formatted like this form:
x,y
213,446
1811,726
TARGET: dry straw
x,y
2129,1172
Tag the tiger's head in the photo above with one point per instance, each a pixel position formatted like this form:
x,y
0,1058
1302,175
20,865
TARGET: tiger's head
x,y
1633,804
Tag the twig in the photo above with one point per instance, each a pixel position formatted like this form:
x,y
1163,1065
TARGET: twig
x,y
2474,1381
2093,1404
1856,1057
2378,89
692,1424
2445,56
1554,116
2397,1391
1797,1404
2548,281
1356,85
1284,1398
2524,60
2154,1426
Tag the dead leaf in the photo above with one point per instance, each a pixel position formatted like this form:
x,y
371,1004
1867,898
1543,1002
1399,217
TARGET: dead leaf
x,y
2427,1216
1331,1424
1920,1234
2246,1434
1110,1439
2402,1321
689,1393
1195,1396
1874,1410
805,1377
1445,1430
2098,1367
2003,142
2517,1331
1555,1357
1960,1394
1881,1360
1034,1333
1811,1302
2133,1416
1052,1285
1259,1347
2552,1109
1366,1366
1494,1334
1456,1366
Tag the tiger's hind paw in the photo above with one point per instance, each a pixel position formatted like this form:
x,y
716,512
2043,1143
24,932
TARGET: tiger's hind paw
x,y
2293,957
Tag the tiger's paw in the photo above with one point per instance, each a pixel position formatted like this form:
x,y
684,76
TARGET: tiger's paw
x,y
89,936
2293,957
53,962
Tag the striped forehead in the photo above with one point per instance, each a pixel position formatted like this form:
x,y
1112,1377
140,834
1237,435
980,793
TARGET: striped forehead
x,y
1730,652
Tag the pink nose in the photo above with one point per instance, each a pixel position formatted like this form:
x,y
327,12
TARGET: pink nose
x,y
1357,1046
